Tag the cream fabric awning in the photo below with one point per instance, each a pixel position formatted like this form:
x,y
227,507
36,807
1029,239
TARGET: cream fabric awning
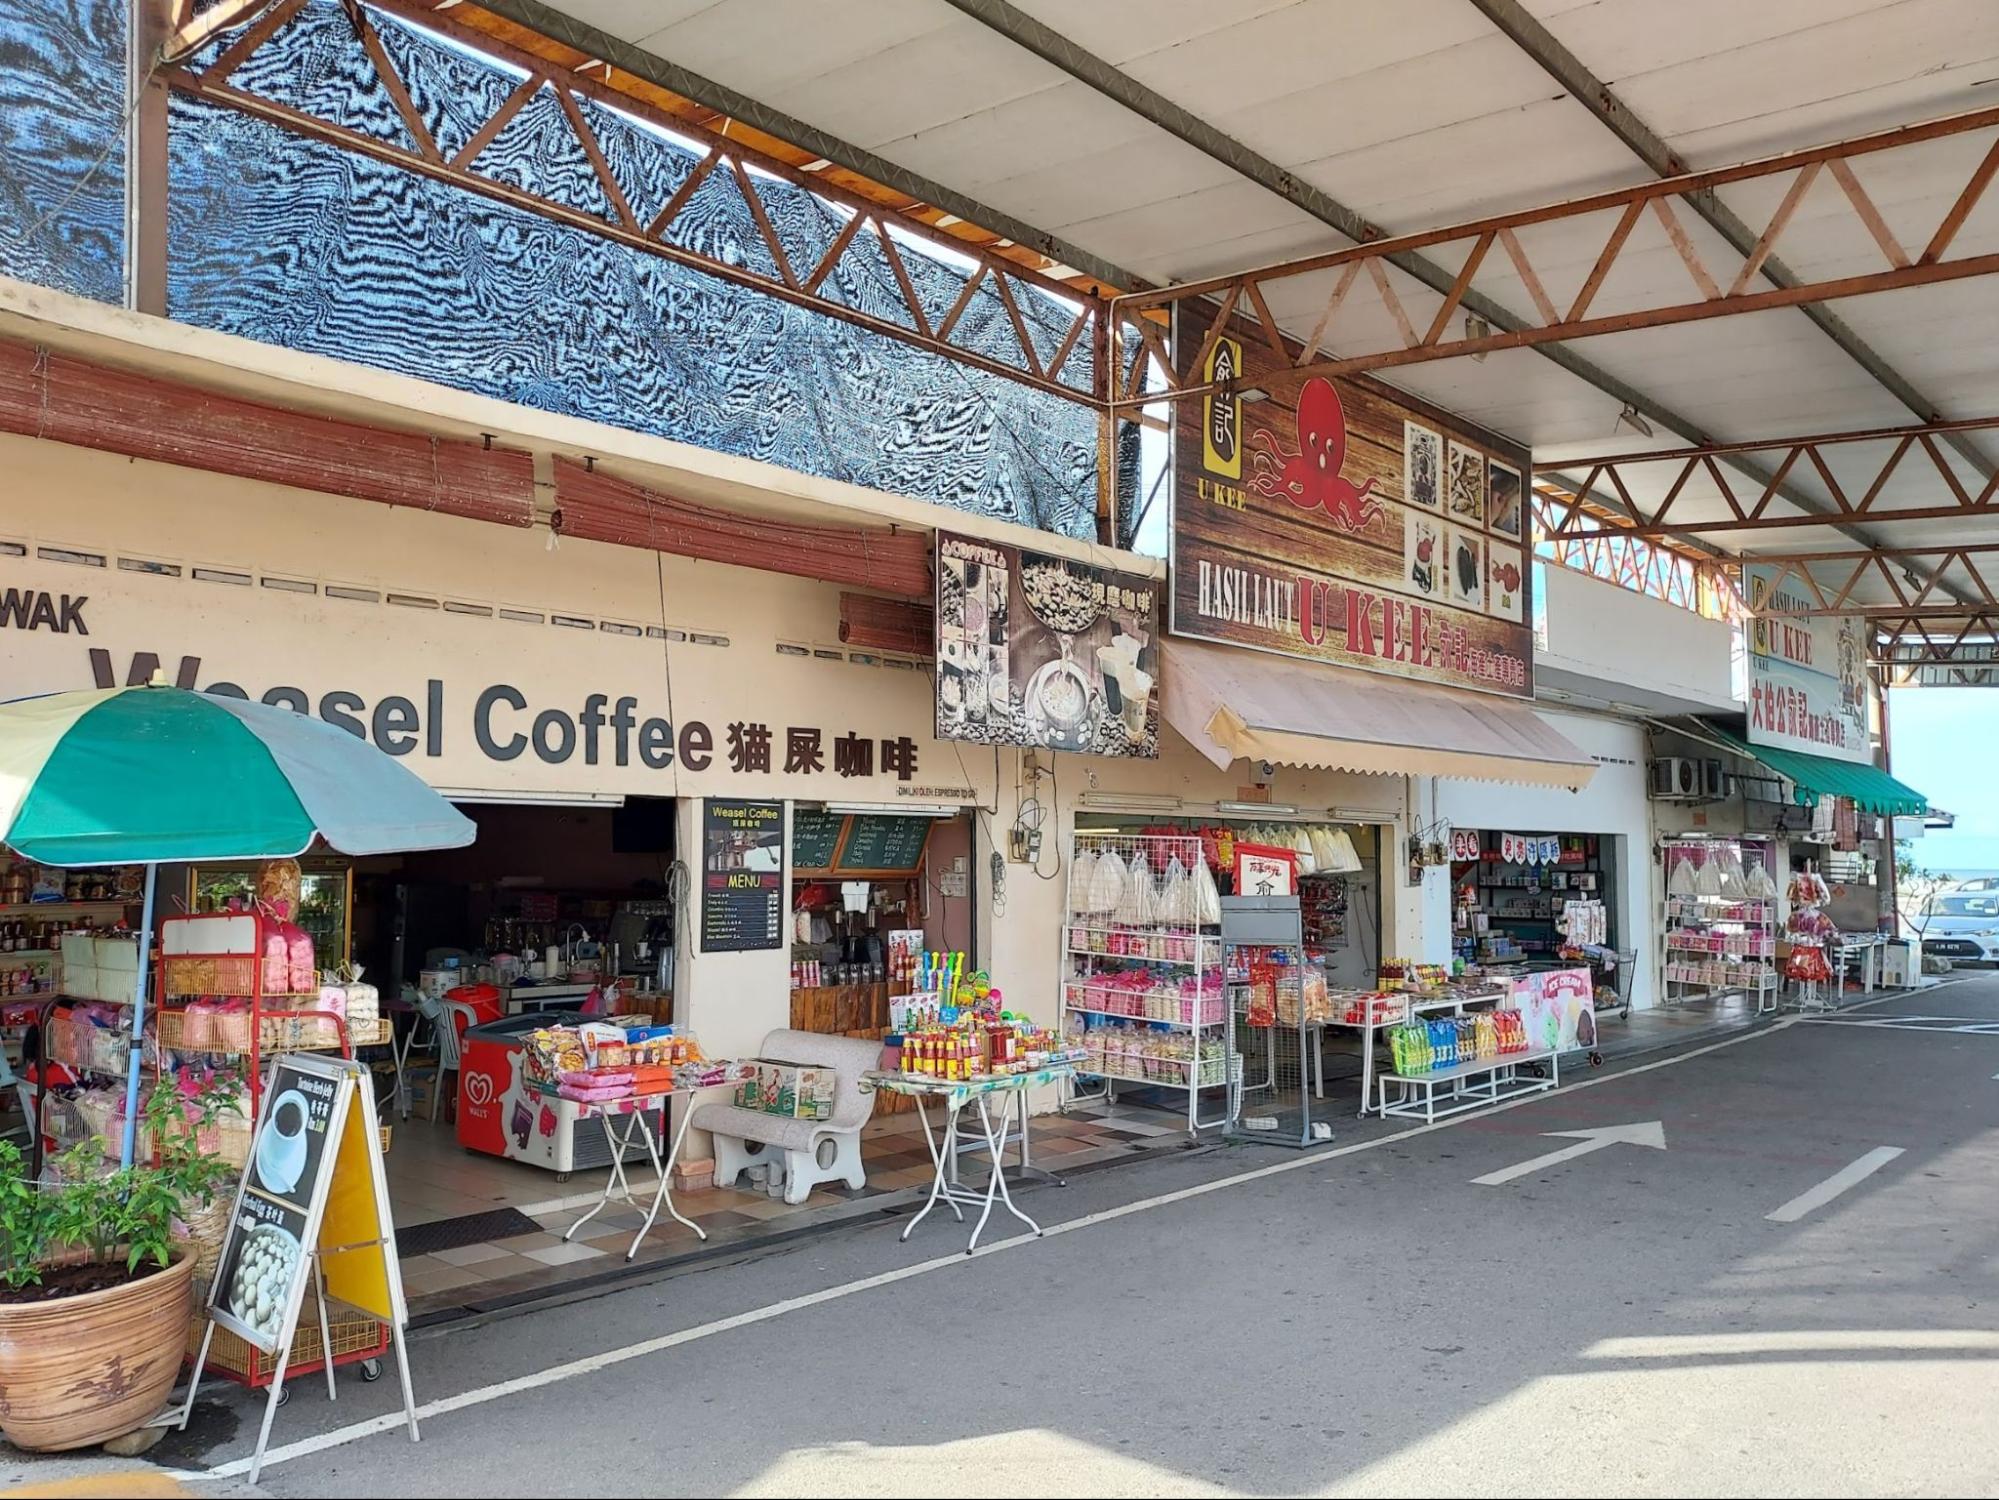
x,y
1234,705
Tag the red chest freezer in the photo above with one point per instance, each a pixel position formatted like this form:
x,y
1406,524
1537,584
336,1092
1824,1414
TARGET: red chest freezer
x,y
500,1114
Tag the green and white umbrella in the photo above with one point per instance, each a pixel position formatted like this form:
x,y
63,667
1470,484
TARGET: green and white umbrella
x,y
146,775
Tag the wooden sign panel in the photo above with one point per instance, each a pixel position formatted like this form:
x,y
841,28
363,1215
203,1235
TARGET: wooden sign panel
x,y
1339,521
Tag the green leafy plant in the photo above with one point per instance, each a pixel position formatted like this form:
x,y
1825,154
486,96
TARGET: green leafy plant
x,y
105,1215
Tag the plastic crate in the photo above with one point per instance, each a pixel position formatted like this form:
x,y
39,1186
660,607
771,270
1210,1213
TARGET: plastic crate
x,y
356,1336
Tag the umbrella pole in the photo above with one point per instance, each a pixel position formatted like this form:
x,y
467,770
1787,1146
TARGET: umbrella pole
x,y
129,1146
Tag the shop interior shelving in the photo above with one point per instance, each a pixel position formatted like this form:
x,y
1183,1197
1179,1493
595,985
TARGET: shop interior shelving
x,y
1144,996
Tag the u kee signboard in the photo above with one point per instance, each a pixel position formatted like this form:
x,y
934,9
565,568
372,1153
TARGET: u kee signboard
x,y
1339,523
1807,674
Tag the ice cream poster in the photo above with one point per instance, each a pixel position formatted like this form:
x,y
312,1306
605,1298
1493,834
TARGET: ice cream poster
x,y
1557,1008
1039,650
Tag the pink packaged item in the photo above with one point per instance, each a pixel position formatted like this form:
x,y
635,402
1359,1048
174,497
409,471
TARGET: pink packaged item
x,y
276,960
303,971
333,998
593,1095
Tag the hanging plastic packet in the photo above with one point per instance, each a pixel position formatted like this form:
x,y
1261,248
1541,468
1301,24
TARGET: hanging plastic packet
x,y
1106,885
1207,897
1080,871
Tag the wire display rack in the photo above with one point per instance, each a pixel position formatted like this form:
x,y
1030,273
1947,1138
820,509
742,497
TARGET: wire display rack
x,y
1141,978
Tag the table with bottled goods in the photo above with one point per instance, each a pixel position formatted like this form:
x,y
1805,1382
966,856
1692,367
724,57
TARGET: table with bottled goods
x,y
986,1066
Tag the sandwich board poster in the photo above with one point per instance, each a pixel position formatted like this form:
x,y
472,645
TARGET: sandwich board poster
x,y
1341,521
311,1214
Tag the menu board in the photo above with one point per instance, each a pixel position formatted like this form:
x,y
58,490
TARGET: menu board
x,y
742,876
1339,521
885,842
261,1272
815,834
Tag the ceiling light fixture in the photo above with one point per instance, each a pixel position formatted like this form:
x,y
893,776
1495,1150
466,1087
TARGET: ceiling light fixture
x,y
1478,328
1629,417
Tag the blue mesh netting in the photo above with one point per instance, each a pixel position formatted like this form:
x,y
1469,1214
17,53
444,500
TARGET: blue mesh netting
x,y
302,244
62,107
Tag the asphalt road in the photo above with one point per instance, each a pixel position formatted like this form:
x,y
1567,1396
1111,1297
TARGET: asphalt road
x,y
1368,1320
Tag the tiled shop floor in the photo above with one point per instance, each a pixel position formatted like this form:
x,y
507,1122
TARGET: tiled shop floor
x,y
432,1177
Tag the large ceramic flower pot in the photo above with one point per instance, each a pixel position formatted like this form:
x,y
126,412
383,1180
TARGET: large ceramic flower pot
x,y
81,1370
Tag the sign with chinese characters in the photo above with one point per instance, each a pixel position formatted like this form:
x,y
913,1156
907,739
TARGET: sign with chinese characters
x,y
1807,674
1464,844
1343,523
1037,650
742,875
1265,870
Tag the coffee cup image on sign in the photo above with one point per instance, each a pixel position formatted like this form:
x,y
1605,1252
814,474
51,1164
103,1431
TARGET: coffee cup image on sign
x,y
283,1147
1422,554
259,1285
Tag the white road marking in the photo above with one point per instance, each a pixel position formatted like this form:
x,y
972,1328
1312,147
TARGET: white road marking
x,y
1796,1341
1941,1025
1651,1133
1852,1173
590,1364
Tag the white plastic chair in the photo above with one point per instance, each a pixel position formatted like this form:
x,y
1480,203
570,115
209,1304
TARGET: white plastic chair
x,y
443,1017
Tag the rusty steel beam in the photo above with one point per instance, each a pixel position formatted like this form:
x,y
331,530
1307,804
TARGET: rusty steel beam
x,y
648,225
1914,444
1934,264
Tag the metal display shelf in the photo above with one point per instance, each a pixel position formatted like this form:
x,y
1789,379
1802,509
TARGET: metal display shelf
x,y
1083,964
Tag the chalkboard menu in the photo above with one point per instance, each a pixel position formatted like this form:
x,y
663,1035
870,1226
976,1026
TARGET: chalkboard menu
x,y
885,842
742,876
815,834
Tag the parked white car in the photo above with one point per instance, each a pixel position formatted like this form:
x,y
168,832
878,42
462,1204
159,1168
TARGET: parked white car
x,y
1961,925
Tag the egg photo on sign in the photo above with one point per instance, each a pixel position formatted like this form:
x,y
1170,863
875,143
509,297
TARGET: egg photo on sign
x,y
1505,581
1422,555
1467,569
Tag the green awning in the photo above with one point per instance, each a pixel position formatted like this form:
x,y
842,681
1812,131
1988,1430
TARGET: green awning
x,y
1816,776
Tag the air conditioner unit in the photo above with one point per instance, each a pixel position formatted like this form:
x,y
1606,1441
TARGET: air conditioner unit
x,y
1675,778
1717,781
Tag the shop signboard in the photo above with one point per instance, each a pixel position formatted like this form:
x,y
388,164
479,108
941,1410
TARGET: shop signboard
x,y
1037,650
568,672
1807,674
742,875
1265,870
1341,522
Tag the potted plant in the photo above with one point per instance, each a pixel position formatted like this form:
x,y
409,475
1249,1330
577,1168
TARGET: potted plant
x,y
95,1289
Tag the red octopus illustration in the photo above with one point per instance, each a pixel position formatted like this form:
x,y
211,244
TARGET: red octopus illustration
x,y
1311,478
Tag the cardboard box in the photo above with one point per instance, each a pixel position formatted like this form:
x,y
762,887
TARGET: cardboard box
x,y
788,1089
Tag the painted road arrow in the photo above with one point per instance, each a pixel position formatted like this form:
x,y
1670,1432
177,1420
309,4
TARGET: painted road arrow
x,y
1650,1133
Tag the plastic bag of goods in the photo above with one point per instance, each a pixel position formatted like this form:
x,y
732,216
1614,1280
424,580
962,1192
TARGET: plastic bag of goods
x,y
1681,882
1207,897
1080,873
1300,843
1106,884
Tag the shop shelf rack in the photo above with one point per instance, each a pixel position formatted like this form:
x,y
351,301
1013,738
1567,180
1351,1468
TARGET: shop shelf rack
x,y
1203,1067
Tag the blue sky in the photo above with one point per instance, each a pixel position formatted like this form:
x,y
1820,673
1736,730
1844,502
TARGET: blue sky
x,y
1939,743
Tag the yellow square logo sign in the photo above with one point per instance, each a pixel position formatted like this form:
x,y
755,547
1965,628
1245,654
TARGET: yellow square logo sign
x,y
1221,411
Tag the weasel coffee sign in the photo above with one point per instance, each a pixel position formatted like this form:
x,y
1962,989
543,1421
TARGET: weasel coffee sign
x,y
1340,523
